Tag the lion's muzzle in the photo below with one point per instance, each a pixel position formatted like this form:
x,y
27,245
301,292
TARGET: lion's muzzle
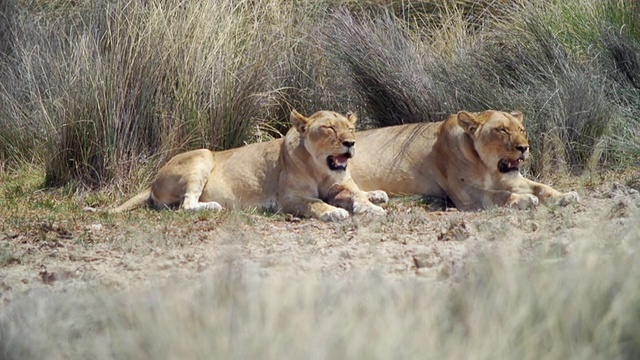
x,y
339,162
506,165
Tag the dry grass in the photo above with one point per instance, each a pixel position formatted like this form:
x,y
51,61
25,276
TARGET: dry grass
x,y
102,92
548,61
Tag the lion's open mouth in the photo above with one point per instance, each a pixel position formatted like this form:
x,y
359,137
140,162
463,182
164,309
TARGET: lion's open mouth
x,y
506,165
338,163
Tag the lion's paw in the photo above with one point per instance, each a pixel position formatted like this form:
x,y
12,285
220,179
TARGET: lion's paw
x,y
567,198
523,201
378,196
369,208
214,206
336,214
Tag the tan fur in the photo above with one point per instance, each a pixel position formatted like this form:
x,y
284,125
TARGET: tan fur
x,y
457,158
291,174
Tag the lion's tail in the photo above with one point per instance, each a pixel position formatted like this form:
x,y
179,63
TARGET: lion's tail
x,y
136,201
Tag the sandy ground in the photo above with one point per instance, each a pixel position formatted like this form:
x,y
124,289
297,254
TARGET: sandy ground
x,y
121,252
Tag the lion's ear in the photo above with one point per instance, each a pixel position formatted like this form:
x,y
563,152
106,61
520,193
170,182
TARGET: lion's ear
x,y
468,122
298,121
352,117
518,115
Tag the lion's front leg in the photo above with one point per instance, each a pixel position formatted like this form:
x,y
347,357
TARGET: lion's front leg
x,y
522,201
482,199
313,207
320,210
362,205
513,200
351,197
549,195
377,196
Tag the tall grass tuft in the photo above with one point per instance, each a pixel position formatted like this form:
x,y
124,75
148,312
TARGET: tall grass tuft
x,y
543,60
129,84
621,61
102,90
7,20
21,135
563,94
406,75
158,78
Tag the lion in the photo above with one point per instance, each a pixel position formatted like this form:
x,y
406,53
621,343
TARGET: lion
x,y
304,174
473,159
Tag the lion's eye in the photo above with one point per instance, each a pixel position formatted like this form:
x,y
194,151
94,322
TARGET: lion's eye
x,y
504,130
330,128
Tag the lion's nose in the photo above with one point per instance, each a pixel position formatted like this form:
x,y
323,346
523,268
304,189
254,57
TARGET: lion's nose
x,y
523,148
348,143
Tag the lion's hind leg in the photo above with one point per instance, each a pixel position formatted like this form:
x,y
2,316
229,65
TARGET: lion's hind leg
x,y
211,205
191,201
183,180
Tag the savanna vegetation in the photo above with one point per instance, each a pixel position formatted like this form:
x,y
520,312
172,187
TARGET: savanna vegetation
x,y
96,90
96,95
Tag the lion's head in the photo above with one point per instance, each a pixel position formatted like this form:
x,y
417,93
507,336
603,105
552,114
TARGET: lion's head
x,y
499,138
328,136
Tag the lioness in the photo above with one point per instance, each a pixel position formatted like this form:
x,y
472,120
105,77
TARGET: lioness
x,y
302,174
472,158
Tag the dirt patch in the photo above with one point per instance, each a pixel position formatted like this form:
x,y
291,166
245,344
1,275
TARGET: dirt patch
x,y
129,251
